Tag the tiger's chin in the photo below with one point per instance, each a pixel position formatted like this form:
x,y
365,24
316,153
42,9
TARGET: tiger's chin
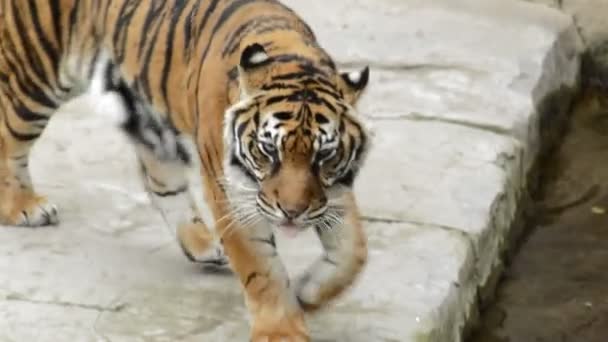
x,y
291,229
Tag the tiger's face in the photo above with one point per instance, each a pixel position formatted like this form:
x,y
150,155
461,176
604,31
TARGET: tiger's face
x,y
293,143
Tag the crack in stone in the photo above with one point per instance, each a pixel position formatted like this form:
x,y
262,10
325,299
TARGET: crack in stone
x,y
377,219
396,67
578,27
101,308
425,118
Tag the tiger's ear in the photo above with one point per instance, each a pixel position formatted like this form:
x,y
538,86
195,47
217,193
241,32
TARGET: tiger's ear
x,y
251,67
353,84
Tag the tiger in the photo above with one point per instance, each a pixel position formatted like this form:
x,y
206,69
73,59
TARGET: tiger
x,y
235,94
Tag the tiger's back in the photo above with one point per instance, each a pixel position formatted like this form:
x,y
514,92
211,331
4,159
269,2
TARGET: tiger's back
x,y
206,83
162,48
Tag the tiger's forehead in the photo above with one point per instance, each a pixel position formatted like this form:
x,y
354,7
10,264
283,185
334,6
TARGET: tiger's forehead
x,y
298,120
297,143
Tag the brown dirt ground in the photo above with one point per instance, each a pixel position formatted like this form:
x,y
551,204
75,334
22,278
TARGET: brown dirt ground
x,y
556,287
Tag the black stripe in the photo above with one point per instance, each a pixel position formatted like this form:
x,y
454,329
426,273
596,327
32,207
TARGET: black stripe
x,y
311,69
121,30
145,72
33,61
171,193
206,17
191,43
328,105
24,81
307,30
331,93
276,99
347,179
26,114
207,163
56,13
16,66
104,16
241,128
251,277
152,17
188,28
73,22
328,62
47,46
304,95
269,241
177,12
56,18
234,161
94,60
290,76
245,28
20,136
282,115
328,260
264,201
240,112
354,123
308,69
31,90
326,83
288,58
226,14
230,10
279,86
286,25
233,74
235,38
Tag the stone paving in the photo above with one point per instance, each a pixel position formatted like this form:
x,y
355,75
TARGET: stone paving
x,y
454,100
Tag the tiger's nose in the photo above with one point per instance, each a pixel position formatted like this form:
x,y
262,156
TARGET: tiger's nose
x,y
292,211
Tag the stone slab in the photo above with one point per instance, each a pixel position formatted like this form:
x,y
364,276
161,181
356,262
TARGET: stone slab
x,y
415,168
447,175
433,33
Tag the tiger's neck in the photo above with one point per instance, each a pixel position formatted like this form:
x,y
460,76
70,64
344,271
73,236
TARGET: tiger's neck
x,y
214,69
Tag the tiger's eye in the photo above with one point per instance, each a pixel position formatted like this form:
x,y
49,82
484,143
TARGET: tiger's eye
x,y
268,148
325,154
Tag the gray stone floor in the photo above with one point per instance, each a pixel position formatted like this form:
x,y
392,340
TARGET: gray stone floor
x,y
453,97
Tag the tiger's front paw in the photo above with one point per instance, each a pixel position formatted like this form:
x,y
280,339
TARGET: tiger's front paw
x,y
308,292
290,328
315,290
200,246
26,209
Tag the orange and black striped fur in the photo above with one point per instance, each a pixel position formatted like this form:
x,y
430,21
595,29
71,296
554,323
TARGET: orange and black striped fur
x,y
238,89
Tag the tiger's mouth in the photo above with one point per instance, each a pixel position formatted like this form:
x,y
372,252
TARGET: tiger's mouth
x,y
291,229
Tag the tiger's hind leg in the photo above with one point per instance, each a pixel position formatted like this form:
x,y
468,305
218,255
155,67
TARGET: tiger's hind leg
x,y
166,168
22,121
20,205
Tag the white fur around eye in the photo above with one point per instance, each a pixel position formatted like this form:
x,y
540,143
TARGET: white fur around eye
x,y
258,57
354,76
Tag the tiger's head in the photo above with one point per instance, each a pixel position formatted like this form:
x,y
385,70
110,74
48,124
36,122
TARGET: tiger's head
x,y
293,143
